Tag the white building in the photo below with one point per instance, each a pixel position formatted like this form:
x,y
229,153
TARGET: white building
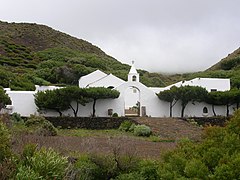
x,y
135,98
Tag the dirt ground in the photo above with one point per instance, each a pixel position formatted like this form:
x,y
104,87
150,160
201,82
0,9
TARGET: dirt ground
x,y
172,128
101,145
168,129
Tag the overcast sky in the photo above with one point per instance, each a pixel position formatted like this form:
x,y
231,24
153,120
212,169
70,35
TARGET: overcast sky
x,y
159,35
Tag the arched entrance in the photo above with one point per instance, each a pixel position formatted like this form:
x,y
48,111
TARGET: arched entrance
x,y
132,101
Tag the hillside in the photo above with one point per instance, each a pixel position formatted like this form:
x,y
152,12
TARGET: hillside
x,y
228,67
36,54
232,61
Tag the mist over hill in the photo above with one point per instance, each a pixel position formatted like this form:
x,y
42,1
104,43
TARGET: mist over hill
x,y
37,54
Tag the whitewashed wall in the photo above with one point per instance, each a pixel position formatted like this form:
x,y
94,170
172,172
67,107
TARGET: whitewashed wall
x,y
23,103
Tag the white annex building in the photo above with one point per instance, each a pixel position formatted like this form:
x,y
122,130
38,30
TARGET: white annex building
x,y
135,98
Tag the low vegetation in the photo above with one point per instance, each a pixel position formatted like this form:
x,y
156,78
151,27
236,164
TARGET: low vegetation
x,y
137,130
215,157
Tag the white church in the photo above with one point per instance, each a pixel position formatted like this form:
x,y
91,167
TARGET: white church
x,y
135,98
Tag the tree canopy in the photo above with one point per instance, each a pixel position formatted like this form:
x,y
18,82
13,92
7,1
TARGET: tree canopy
x,y
169,96
190,93
61,99
4,98
96,93
53,100
77,95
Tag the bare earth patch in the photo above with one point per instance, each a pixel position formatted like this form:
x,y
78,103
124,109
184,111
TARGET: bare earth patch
x,y
100,145
104,143
172,128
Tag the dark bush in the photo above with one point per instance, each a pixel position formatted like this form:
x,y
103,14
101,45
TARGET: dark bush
x,y
125,126
115,115
41,126
16,118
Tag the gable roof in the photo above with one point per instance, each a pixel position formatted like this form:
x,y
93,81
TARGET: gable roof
x,y
84,81
107,81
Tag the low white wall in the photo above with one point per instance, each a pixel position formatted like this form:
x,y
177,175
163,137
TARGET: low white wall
x,y
23,102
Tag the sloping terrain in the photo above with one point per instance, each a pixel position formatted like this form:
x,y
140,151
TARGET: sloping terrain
x,y
232,61
36,54
172,128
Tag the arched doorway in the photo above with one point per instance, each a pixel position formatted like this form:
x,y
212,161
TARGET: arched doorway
x,y
132,101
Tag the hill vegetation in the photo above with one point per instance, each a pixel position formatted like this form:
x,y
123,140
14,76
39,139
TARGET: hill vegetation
x,y
228,67
36,54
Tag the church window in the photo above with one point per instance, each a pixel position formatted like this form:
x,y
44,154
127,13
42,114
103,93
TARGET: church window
x,y
205,110
134,78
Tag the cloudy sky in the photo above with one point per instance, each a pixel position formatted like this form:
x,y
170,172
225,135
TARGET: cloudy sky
x,y
171,36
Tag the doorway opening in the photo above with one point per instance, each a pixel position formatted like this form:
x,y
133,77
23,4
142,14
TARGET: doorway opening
x,y
132,101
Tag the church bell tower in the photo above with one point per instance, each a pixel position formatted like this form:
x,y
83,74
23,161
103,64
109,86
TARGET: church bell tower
x,y
133,75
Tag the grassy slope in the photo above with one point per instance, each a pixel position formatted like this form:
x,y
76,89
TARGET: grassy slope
x,y
36,54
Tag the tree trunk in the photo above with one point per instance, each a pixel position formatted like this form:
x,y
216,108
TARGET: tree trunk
x,y
74,111
213,110
60,113
94,103
182,113
171,106
227,110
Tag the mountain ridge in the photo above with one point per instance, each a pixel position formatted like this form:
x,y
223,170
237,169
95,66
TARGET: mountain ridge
x,y
37,54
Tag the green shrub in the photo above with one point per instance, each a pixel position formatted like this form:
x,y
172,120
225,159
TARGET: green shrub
x,y
131,129
5,150
16,118
149,170
34,121
142,130
195,169
107,165
41,126
130,176
48,164
47,129
28,153
26,173
115,115
125,125
84,168
228,168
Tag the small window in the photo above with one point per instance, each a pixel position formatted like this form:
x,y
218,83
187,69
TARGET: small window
x,y
205,110
110,87
134,90
213,90
134,78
